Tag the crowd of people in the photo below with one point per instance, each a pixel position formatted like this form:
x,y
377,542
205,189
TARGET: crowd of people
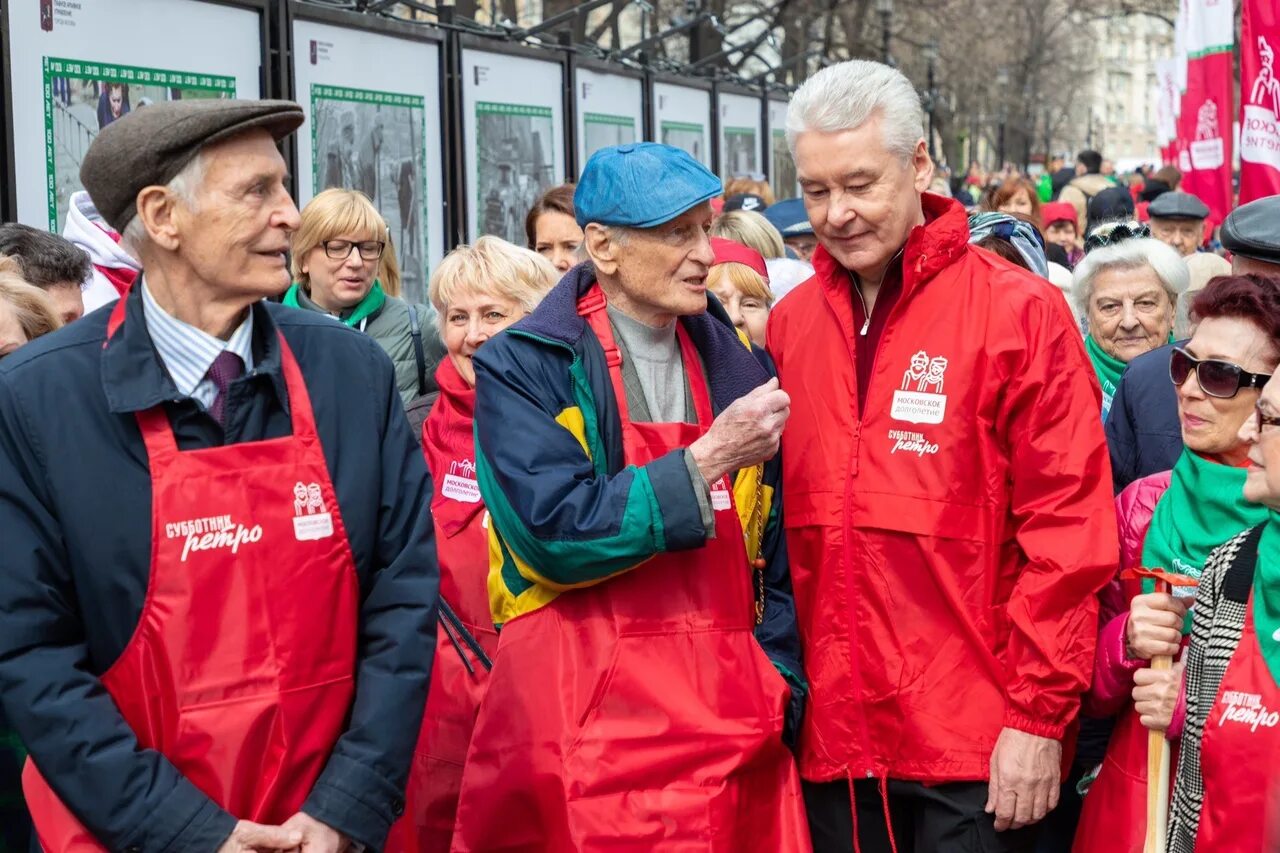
x,y
908,514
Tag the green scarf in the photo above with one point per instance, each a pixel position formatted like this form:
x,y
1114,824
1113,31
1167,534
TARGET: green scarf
x,y
1266,595
1203,508
371,304
1108,369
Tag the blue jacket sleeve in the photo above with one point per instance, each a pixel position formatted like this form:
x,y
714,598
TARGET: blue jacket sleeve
x,y
543,473
361,790
1122,443
127,796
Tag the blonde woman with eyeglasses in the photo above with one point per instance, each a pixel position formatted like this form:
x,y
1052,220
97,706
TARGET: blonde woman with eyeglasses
x,y
343,263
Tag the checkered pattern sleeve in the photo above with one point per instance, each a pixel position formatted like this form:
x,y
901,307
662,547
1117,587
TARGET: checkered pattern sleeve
x,y
1216,626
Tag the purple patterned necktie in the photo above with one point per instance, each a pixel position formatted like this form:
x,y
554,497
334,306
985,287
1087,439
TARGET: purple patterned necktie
x,y
226,368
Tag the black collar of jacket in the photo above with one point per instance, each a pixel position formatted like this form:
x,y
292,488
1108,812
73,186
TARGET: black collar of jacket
x,y
733,370
134,379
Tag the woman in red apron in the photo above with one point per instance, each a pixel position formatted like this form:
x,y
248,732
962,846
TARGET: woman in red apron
x,y
642,710
1225,795
1172,521
225,675
472,309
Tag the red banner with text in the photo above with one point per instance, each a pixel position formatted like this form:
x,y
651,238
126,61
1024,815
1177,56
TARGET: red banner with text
x,y
1259,100
1208,108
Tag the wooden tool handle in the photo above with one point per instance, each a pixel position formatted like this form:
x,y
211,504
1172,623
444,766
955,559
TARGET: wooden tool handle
x,y
1158,755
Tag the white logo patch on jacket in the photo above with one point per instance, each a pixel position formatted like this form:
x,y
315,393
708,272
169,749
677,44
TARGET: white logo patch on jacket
x,y
311,518
920,399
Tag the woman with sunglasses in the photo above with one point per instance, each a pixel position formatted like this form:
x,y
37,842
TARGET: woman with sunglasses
x,y
1127,289
1173,521
1226,793
341,259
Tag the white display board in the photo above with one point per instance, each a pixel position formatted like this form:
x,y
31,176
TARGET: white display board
x,y
77,66
682,117
782,169
740,132
359,135
513,127
610,110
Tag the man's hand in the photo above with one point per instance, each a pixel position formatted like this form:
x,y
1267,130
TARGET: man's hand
x,y
250,837
1026,772
316,837
1155,695
1155,625
745,434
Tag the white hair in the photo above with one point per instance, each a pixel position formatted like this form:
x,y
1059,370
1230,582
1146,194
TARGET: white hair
x,y
1135,253
847,95
183,185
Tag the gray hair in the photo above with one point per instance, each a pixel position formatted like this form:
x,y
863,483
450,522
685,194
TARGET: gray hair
x,y
1163,260
183,185
847,95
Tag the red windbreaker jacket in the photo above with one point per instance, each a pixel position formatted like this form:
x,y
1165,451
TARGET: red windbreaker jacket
x,y
946,547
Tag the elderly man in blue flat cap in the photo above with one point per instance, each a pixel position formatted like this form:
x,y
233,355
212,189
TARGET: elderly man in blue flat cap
x,y
648,678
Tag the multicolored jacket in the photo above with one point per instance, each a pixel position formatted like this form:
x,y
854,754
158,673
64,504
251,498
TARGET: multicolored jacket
x,y
566,511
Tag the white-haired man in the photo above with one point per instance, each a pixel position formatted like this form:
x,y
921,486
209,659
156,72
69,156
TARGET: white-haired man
x,y
947,539
229,650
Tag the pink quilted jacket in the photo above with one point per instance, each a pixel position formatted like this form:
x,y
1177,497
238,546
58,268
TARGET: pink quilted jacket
x,y
1113,669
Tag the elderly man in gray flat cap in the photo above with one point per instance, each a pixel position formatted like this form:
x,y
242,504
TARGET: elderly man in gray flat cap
x,y
220,579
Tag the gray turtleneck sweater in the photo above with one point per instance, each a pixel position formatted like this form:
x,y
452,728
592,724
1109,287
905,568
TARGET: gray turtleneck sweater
x,y
657,389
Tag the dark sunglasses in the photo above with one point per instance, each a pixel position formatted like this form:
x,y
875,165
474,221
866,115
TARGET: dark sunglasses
x,y
1118,234
1217,378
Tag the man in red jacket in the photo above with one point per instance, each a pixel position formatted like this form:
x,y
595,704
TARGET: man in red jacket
x,y
949,501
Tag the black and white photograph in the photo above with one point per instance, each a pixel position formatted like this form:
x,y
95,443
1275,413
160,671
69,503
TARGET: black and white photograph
x,y
374,142
783,175
83,97
603,130
740,151
514,145
685,135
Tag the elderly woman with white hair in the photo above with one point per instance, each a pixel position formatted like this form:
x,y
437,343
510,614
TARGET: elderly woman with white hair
x,y
1127,289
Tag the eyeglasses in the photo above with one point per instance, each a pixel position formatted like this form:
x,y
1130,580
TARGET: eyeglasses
x,y
1116,234
340,250
750,176
1265,420
1216,378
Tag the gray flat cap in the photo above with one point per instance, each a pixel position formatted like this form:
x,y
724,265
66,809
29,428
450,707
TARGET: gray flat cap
x,y
1253,230
1177,205
152,144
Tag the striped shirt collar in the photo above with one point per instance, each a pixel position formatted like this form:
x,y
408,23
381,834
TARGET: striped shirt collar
x,y
187,352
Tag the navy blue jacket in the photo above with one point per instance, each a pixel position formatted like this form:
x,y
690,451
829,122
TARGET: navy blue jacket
x,y
75,511
1144,434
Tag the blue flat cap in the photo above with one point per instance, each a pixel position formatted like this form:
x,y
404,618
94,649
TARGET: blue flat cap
x,y
789,217
1177,205
641,185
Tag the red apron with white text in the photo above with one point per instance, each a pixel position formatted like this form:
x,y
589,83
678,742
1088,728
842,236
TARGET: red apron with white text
x,y
240,671
1238,753
462,546
638,714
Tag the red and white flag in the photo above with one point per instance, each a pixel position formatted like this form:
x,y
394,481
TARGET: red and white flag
x,y
1260,100
1204,128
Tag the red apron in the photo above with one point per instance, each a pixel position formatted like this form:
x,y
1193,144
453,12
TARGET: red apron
x,y
462,545
638,714
225,674
1238,753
